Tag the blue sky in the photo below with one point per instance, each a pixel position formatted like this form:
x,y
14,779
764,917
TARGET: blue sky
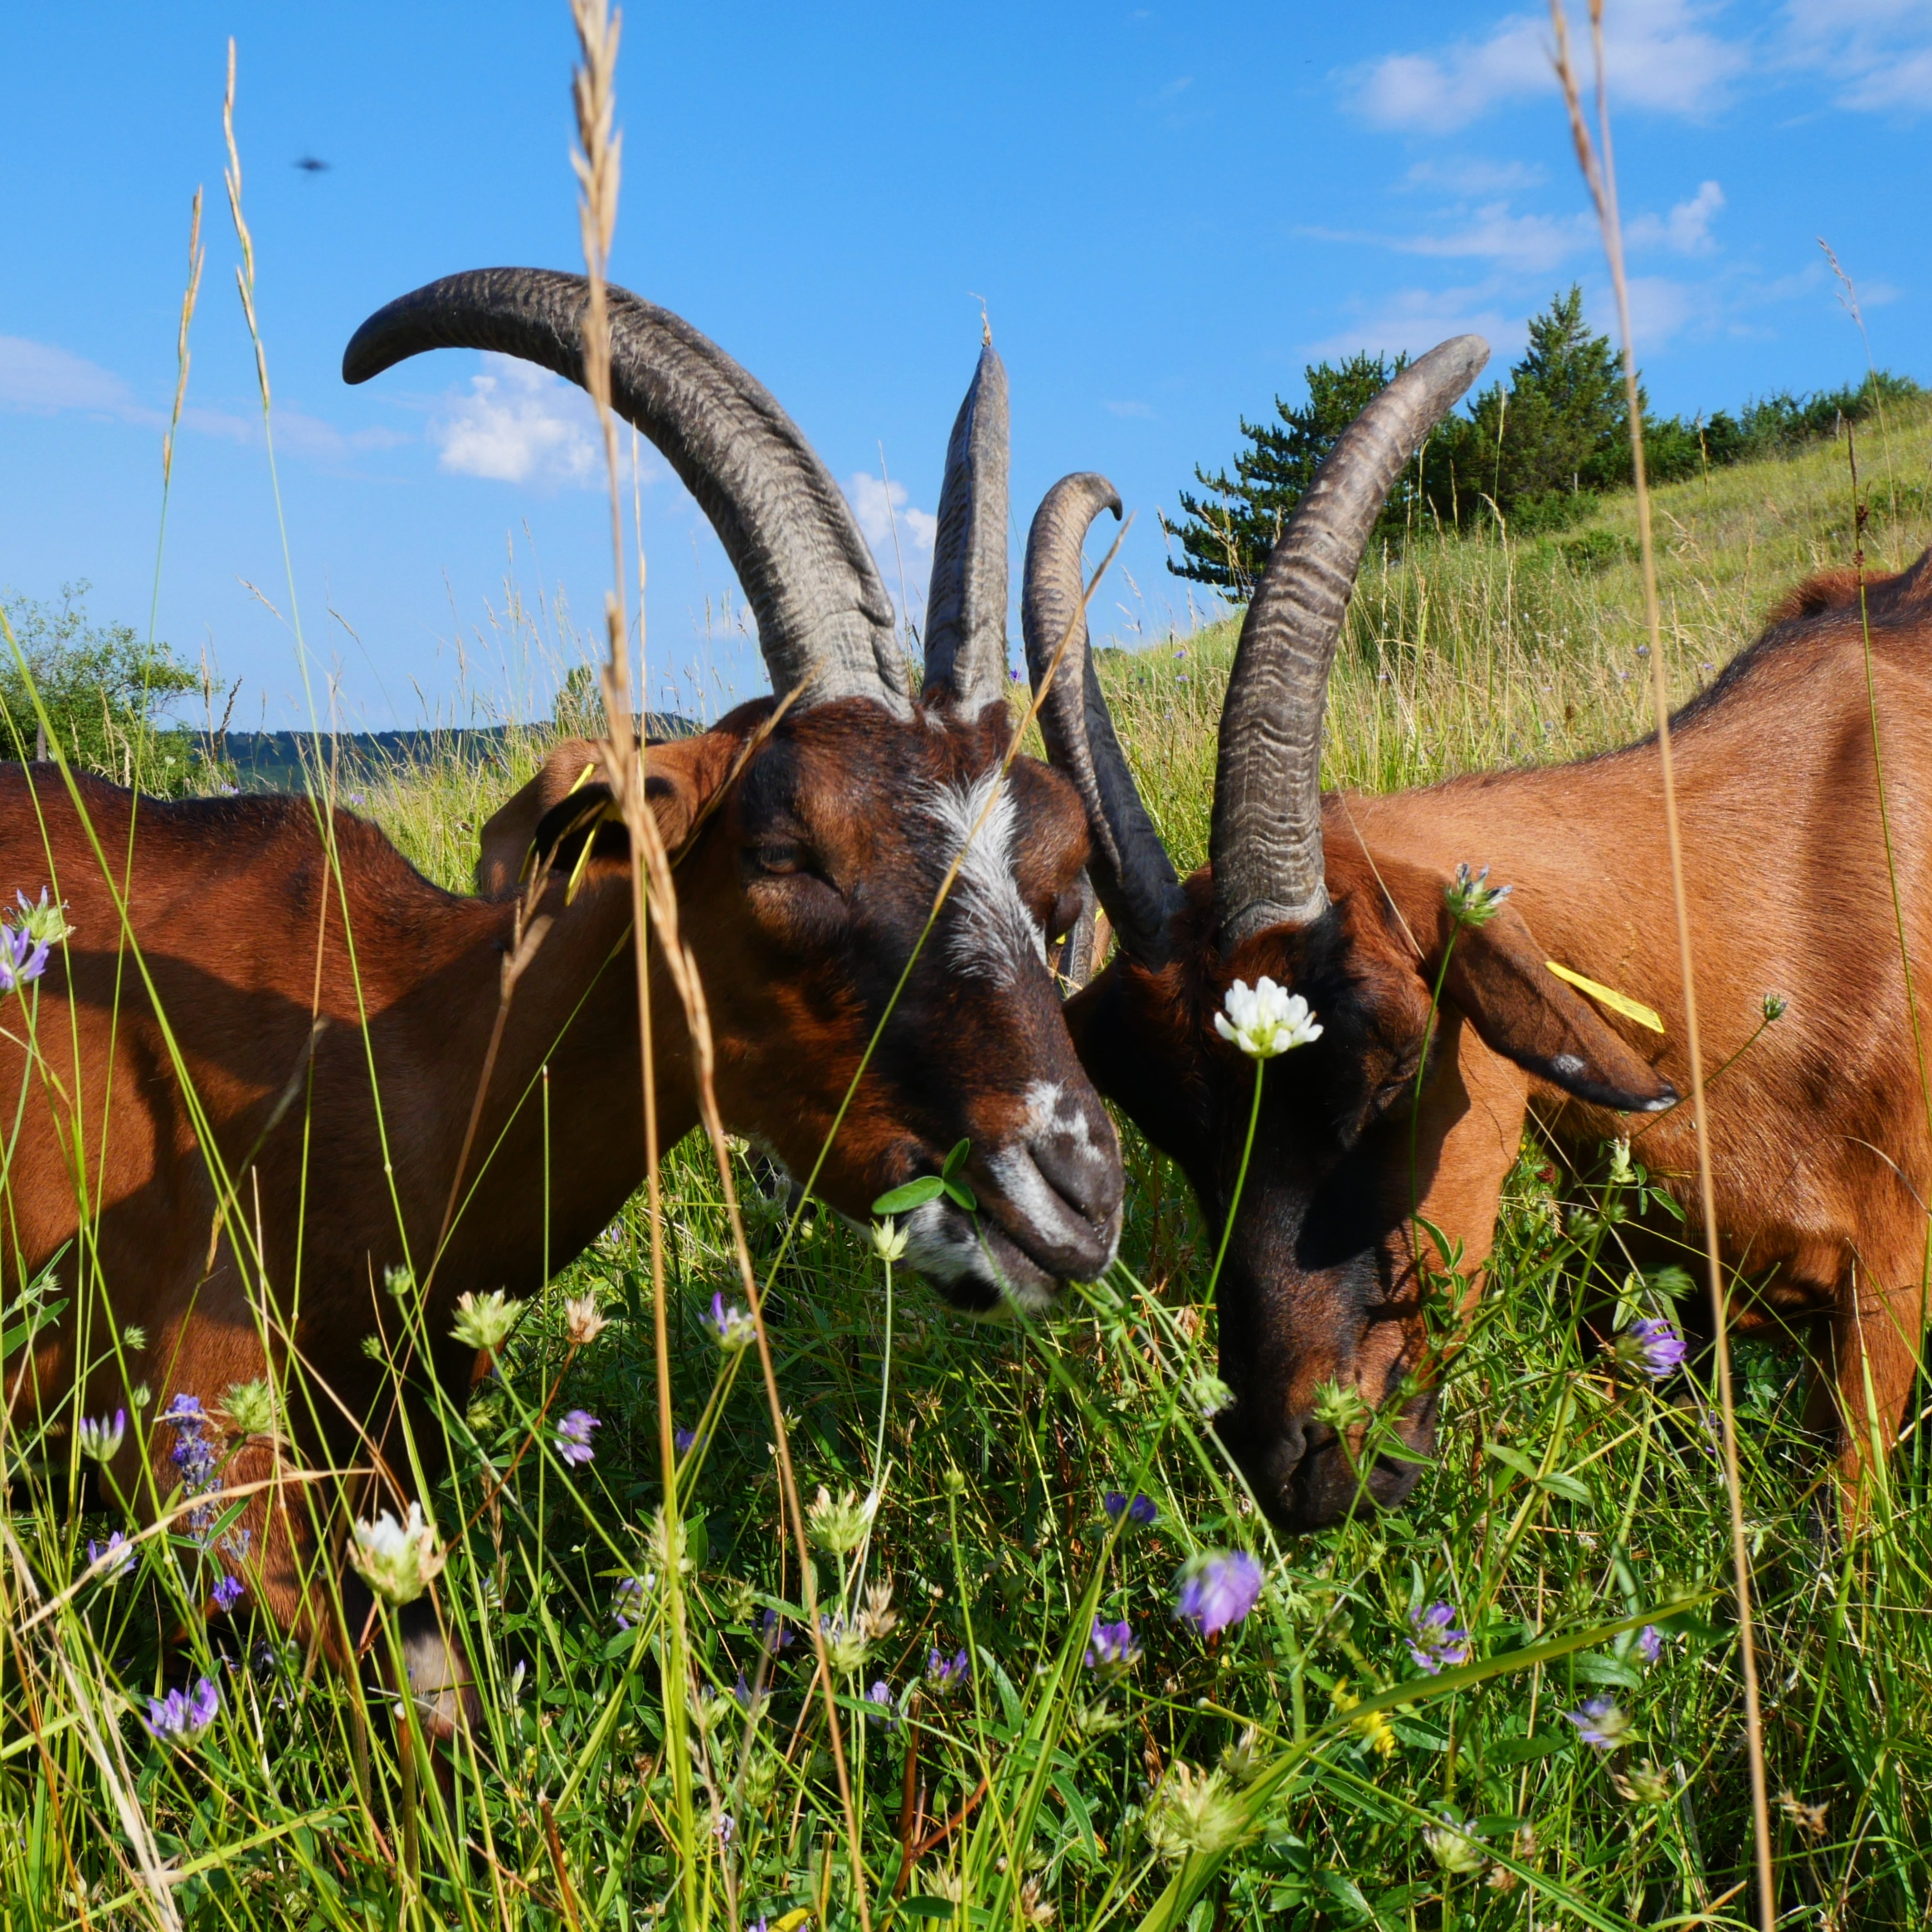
x,y
1167,212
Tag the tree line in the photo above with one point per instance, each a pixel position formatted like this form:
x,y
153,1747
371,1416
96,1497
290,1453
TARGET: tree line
x,y
1537,450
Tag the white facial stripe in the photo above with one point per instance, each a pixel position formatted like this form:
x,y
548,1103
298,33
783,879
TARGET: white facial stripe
x,y
1051,1109
990,931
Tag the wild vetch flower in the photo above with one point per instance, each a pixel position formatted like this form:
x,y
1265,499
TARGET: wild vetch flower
x,y
573,1438
1473,900
1140,1512
1217,1589
946,1673
1194,1811
1112,1649
119,1550
1600,1723
582,1322
182,1715
44,924
884,1710
100,1440
1654,1349
772,1632
735,1329
889,1239
1650,1642
724,1827
840,1526
1433,1639
683,1440
627,1601
398,1560
194,1455
227,1593
1451,1846
21,959
484,1322
1266,1021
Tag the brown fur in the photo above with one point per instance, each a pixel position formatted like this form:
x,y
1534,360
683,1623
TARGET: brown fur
x,y
243,1203
1818,1130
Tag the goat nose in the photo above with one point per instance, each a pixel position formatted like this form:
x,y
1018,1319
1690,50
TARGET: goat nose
x,y
1077,1151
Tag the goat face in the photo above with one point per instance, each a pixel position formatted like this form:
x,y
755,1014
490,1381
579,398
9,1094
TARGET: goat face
x,y
837,839
1400,1119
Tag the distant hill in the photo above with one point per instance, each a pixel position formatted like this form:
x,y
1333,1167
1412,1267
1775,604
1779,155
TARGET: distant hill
x,y
283,761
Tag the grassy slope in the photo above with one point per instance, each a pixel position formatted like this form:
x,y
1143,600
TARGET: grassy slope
x,y
999,1444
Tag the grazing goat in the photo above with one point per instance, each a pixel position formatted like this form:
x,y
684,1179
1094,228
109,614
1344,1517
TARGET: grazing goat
x,y
249,1097
1395,1117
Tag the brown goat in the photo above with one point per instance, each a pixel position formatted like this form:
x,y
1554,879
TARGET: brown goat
x,y
247,1100
1818,1126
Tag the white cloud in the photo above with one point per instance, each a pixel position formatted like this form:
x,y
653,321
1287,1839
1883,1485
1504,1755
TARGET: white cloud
x,y
42,379
881,509
1687,229
1528,243
1660,308
1130,408
1417,319
519,424
1470,176
1879,52
1659,56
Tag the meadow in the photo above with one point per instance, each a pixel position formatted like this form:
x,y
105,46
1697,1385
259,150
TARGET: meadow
x,y
1562,1743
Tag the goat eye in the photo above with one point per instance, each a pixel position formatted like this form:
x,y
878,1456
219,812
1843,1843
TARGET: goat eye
x,y
781,857
1065,915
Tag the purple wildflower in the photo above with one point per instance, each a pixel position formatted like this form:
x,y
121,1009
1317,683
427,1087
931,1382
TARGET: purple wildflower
x,y
1434,1640
1140,1511
1112,1649
1650,1642
725,1827
734,1329
884,1710
573,1437
771,1628
944,1673
101,1439
747,1697
194,1456
181,1715
185,1409
122,1552
227,1593
1217,1589
23,958
1600,1723
627,1602
1654,1349
683,1440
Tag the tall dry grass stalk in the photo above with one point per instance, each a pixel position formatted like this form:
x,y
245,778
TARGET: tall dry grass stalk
x,y
1597,161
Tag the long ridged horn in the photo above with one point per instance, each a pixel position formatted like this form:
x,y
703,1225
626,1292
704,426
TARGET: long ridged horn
x,y
1130,868
1267,840
824,619
966,603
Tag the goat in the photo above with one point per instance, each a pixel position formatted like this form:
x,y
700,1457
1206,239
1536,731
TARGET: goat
x,y
250,1088
1402,1119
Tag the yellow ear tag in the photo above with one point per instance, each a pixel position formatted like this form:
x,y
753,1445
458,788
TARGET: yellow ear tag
x,y
1608,997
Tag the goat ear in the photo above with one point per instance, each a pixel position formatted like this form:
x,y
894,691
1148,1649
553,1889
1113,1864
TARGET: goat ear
x,y
1521,1010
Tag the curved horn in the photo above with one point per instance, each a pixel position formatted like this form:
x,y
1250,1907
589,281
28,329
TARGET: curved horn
x,y
1267,840
1130,867
966,604
824,620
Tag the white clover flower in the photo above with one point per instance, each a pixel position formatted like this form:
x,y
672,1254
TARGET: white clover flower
x,y
1451,1846
397,1560
840,1526
486,1321
582,1322
1195,1811
889,1239
1267,1021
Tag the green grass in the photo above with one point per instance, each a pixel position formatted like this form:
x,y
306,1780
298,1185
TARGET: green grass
x,y
1567,1507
